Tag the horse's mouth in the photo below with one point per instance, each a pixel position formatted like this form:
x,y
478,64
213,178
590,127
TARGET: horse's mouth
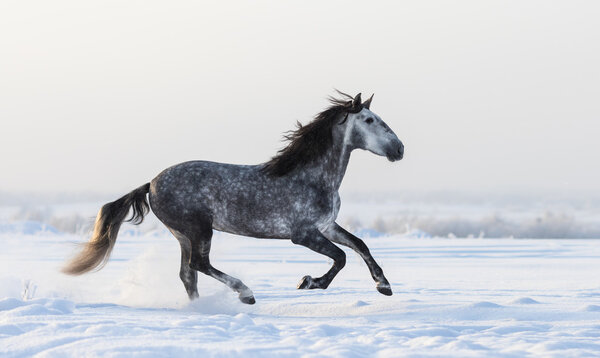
x,y
395,157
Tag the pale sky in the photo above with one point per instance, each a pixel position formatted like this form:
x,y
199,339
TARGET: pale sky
x,y
485,95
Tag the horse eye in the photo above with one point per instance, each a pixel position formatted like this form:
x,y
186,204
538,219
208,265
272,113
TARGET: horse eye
x,y
369,120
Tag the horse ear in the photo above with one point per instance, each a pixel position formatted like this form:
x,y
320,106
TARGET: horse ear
x,y
367,103
356,101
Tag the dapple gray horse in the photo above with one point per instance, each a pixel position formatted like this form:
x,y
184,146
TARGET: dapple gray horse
x,y
293,196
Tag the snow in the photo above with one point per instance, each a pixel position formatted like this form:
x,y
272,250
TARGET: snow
x,y
452,297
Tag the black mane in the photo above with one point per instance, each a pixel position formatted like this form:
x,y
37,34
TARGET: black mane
x,y
308,142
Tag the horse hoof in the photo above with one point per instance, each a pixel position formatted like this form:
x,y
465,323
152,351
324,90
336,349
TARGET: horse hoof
x,y
248,300
386,290
304,283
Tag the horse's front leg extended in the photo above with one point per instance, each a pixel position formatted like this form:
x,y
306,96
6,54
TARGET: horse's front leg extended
x,y
314,240
340,236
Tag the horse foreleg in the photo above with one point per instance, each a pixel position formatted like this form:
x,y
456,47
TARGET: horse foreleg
x,y
314,240
340,236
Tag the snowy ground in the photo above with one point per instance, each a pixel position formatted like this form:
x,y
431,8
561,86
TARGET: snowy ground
x,y
452,297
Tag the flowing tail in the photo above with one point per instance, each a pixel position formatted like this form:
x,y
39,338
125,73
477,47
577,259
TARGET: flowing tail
x,y
95,253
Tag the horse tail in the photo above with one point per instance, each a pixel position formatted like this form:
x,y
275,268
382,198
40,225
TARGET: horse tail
x,y
95,252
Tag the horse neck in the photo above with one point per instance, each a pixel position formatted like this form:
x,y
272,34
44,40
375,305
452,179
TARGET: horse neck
x,y
330,169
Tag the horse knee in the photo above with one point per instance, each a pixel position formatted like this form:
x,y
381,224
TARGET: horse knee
x,y
361,246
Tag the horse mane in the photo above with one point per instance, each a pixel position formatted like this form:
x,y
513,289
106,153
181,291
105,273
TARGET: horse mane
x,y
308,142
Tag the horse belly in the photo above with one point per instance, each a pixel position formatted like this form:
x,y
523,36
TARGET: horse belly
x,y
251,224
252,215
274,217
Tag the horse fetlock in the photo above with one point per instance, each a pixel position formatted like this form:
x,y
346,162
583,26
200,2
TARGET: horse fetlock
x,y
377,273
309,283
305,283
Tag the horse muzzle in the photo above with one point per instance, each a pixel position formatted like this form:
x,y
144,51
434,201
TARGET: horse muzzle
x,y
395,152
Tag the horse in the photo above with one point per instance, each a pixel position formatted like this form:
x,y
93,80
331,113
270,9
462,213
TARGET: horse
x,y
292,196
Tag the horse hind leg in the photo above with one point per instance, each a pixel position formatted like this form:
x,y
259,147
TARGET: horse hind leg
x,y
200,261
188,276
199,239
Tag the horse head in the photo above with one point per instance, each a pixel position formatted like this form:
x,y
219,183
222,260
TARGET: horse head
x,y
369,132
